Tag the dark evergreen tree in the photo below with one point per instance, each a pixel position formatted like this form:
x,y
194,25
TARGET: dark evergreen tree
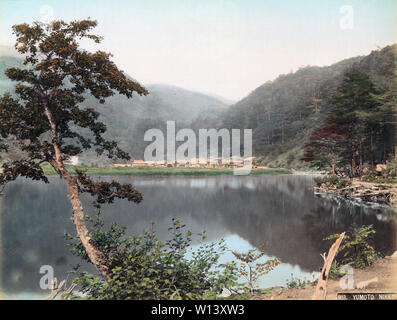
x,y
357,113
359,127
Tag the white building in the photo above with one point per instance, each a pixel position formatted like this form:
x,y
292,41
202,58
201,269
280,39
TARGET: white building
x,y
73,161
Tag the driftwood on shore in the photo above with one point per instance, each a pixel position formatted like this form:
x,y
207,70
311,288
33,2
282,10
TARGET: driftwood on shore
x,y
365,191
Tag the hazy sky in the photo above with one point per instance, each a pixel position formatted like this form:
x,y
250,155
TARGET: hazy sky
x,y
226,47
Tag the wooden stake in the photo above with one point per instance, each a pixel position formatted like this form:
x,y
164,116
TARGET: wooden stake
x,y
56,289
321,290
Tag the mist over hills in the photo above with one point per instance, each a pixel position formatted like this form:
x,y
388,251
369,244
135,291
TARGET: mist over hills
x,y
7,62
128,119
282,113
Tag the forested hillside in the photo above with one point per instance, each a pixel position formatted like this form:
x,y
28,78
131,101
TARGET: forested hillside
x,y
128,119
283,113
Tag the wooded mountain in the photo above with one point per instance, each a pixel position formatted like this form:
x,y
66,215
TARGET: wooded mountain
x,y
284,112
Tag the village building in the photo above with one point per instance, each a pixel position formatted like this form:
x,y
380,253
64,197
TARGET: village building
x,y
73,161
234,162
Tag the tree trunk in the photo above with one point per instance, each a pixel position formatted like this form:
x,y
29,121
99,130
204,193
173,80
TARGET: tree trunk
x,y
333,164
395,142
372,152
321,289
384,154
282,132
360,164
96,256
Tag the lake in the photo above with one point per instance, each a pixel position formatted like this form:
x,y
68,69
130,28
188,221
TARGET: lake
x,y
280,211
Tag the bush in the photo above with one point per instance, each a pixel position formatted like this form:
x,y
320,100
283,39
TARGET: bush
x,y
335,272
252,270
295,283
391,169
356,249
380,180
145,268
333,180
343,183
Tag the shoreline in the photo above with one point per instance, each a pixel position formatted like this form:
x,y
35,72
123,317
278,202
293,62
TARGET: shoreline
x,y
164,171
311,173
377,278
366,192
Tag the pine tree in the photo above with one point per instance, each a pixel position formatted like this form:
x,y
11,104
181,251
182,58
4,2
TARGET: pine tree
x,y
357,111
357,128
388,102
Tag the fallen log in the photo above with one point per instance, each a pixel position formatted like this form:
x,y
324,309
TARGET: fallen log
x,y
371,192
377,193
348,188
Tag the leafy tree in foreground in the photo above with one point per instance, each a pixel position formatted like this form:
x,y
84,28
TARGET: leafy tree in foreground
x,y
47,120
252,270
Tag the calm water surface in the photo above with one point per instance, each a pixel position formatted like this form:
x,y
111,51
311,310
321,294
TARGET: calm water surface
x,y
281,211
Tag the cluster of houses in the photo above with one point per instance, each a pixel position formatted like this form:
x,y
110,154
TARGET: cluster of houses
x,y
233,162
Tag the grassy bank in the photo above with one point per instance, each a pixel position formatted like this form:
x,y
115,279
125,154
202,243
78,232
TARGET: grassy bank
x,y
160,171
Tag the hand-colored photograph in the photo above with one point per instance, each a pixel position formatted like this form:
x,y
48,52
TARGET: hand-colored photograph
x,y
228,152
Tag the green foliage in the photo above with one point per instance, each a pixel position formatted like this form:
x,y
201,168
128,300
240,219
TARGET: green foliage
x,y
252,270
159,171
46,116
143,267
295,283
357,128
391,169
356,249
353,129
379,180
126,118
333,180
335,271
283,113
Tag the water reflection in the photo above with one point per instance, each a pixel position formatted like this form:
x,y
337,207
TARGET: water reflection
x,y
280,211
